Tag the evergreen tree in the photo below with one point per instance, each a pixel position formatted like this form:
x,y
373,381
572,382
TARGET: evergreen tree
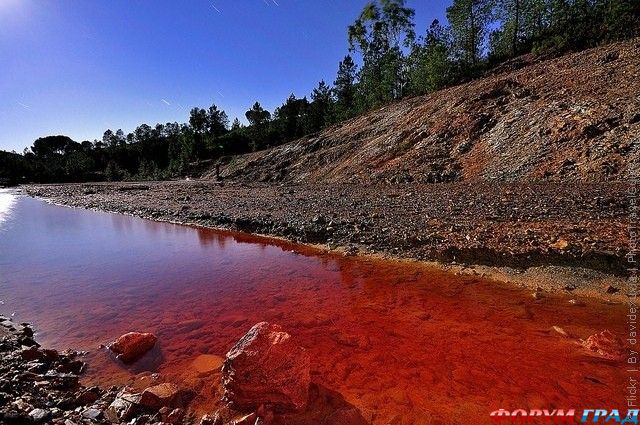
x,y
236,125
217,122
290,119
378,34
319,108
429,65
258,119
344,89
469,21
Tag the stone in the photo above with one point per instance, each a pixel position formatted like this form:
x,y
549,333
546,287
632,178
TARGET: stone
x,y
164,395
211,420
561,331
133,345
266,366
606,345
92,414
39,415
31,353
205,364
87,397
560,244
249,419
610,289
123,406
174,416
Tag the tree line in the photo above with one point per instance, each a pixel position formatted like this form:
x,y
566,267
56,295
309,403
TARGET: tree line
x,y
387,60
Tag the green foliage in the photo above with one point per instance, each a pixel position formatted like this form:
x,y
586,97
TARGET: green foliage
x,y
379,34
469,20
430,67
344,90
14,168
320,110
258,119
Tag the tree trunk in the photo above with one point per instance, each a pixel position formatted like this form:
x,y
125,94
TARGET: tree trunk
x,y
516,28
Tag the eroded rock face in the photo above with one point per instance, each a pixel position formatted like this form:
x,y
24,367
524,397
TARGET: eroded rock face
x,y
267,367
133,345
606,345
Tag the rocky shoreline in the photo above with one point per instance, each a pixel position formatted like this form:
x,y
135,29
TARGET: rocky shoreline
x,y
562,237
264,379
41,386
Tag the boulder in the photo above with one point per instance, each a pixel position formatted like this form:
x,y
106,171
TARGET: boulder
x,y
266,367
164,395
123,407
133,345
606,345
205,364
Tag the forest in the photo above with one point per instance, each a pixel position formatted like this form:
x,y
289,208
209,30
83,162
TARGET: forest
x,y
388,59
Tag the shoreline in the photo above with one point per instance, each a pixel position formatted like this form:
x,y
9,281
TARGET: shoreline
x,y
544,275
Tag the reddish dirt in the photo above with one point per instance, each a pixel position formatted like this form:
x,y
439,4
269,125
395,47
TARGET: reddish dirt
x,y
573,118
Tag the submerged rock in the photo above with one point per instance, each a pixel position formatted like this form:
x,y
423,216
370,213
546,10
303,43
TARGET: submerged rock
x,y
266,367
205,364
133,345
606,345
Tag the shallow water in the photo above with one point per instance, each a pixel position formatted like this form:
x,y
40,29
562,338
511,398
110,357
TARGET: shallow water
x,y
397,340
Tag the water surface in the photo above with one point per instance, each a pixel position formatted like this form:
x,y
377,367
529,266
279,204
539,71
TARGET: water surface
x,y
400,341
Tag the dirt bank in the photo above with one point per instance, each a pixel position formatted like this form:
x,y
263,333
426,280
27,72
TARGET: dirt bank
x,y
563,237
572,118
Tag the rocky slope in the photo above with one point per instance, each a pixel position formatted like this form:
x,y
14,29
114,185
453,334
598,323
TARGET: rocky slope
x,y
572,118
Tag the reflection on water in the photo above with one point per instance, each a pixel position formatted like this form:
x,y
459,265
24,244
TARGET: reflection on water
x,y
7,201
399,341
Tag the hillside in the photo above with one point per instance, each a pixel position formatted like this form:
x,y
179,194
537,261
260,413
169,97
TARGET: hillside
x,y
572,118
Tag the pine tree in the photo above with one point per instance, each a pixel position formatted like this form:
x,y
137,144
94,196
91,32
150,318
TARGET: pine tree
x,y
258,119
344,89
429,64
378,34
469,21
319,108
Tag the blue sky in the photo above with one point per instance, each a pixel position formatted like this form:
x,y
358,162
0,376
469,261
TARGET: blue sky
x,y
78,67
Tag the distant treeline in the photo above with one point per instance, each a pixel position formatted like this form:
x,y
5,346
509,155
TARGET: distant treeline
x,y
393,61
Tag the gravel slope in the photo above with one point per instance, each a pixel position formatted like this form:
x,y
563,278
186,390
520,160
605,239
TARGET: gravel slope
x,y
513,225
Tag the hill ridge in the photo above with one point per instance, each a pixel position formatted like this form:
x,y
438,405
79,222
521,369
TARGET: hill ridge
x,y
571,118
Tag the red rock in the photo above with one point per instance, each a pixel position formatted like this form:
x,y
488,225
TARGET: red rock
x,y
346,416
606,345
133,345
211,420
172,416
123,407
266,367
164,395
249,419
31,353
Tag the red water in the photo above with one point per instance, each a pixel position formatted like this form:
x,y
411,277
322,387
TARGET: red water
x,y
400,341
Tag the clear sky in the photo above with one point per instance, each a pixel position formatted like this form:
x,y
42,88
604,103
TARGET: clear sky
x,y
78,67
